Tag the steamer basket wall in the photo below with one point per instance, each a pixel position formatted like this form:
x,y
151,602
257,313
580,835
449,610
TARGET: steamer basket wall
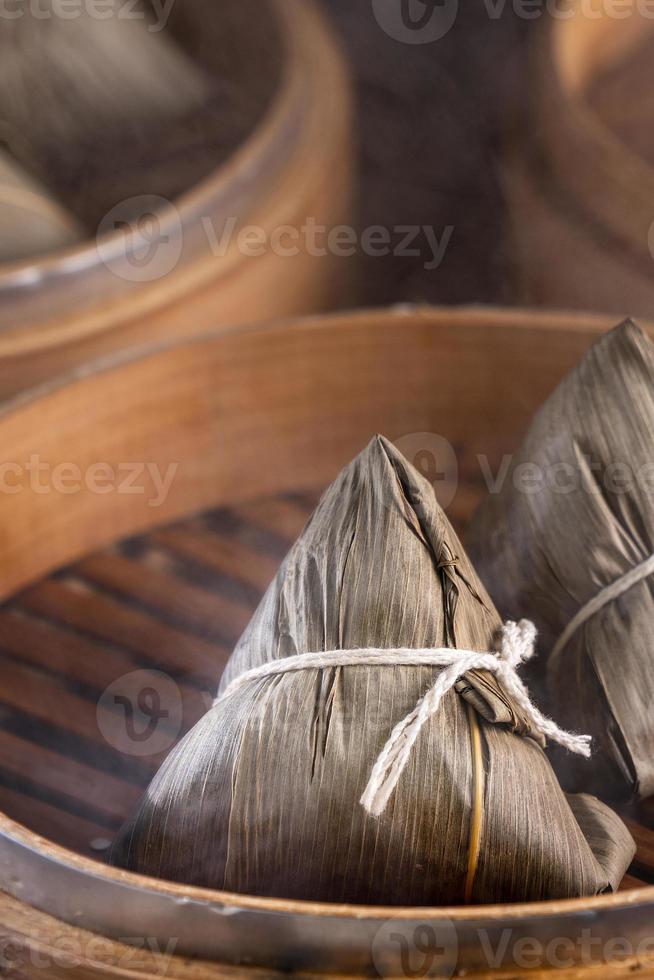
x,y
579,196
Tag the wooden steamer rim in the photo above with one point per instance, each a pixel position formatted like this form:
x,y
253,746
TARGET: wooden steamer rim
x,y
259,410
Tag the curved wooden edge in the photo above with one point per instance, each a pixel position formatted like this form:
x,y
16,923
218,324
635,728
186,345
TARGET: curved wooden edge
x,y
35,945
41,946
53,894
272,180
573,321
584,45
251,411
58,856
217,184
609,187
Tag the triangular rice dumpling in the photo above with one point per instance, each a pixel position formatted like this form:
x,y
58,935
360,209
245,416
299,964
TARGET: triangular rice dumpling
x,y
263,795
583,523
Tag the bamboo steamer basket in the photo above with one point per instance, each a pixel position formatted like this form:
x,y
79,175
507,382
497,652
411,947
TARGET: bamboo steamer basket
x,y
102,296
268,412
580,199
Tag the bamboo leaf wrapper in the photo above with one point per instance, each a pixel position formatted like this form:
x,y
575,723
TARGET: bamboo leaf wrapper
x,y
587,524
262,796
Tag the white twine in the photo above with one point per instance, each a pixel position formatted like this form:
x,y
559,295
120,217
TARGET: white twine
x,y
603,597
516,647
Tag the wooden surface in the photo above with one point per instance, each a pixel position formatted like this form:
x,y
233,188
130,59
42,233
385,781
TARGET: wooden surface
x,y
257,421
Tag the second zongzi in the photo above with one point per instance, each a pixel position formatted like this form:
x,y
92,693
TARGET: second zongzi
x,y
572,549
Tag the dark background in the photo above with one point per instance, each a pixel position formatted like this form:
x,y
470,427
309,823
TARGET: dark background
x,y
430,125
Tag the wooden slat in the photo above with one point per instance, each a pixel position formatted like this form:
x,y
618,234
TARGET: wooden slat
x,y
52,822
62,651
63,641
82,783
161,646
203,612
281,517
251,569
47,700
37,946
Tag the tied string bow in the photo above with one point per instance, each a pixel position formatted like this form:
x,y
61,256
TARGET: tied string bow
x,y
516,647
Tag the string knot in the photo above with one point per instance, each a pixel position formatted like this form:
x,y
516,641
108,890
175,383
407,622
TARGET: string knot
x,y
517,645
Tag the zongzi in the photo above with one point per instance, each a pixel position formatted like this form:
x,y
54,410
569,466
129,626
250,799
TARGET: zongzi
x,y
571,548
32,223
363,747
138,99
77,90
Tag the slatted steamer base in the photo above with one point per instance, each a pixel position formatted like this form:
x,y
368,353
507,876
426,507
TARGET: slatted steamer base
x,y
176,601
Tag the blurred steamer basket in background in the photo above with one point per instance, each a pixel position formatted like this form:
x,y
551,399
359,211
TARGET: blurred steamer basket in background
x,y
158,268
579,171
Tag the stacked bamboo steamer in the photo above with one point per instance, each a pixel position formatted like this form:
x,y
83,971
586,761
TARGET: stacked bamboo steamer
x,y
181,269
580,191
321,384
